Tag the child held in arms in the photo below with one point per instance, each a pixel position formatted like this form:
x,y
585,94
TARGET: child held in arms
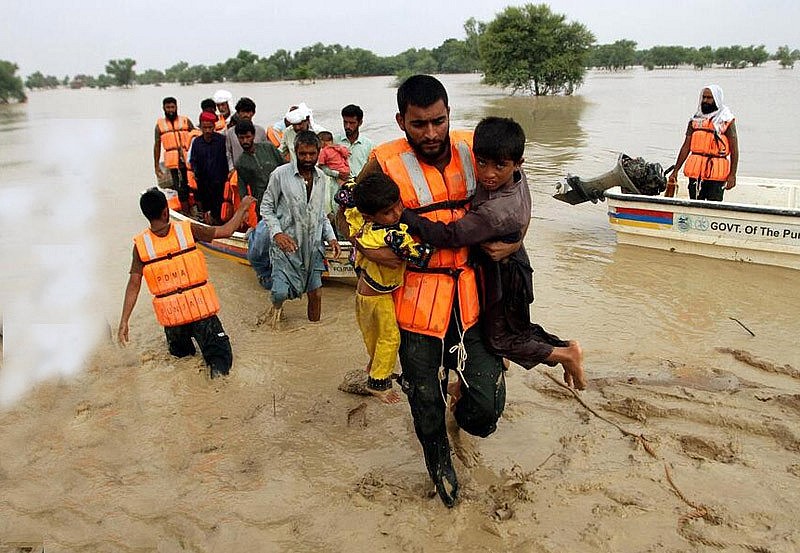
x,y
501,211
333,158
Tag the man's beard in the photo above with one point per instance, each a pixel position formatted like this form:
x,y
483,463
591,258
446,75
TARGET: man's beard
x,y
708,108
429,157
171,116
305,167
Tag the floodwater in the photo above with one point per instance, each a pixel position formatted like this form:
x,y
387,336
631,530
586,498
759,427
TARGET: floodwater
x,y
111,449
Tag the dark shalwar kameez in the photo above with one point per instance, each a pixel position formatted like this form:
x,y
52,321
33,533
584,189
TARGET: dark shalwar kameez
x,y
506,287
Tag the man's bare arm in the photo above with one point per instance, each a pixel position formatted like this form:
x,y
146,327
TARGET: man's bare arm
x,y
733,142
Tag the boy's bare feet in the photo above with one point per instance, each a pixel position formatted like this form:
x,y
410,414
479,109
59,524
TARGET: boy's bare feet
x,y
573,366
386,396
571,359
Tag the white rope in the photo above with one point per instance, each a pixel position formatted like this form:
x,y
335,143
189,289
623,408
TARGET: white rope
x,y
461,354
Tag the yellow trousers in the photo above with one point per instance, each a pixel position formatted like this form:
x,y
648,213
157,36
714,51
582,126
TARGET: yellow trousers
x,y
376,319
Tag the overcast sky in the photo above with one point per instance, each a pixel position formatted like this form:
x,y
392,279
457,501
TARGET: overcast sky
x,y
64,38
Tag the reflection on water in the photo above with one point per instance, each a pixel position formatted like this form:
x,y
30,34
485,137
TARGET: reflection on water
x,y
552,128
10,114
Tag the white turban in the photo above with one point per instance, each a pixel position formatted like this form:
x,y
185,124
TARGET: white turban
x,y
721,116
221,96
299,114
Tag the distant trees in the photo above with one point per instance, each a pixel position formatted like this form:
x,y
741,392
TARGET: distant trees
x,y
785,58
533,50
528,48
10,83
121,71
620,55
608,56
38,80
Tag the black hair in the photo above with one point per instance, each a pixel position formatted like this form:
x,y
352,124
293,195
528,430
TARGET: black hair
x,y
352,110
307,137
375,193
169,100
499,139
208,104
325,135
152,203
421,91
244,127
245,104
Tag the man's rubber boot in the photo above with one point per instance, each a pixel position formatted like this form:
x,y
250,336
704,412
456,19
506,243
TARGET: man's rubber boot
x,y
440,469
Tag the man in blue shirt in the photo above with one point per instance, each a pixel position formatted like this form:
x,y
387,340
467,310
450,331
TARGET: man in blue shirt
x,y
359,145
210,165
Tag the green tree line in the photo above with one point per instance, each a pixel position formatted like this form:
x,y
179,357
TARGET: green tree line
x,y
529,49
623,54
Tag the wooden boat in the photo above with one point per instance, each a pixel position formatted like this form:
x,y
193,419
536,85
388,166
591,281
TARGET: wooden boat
x,y
234,248
759,221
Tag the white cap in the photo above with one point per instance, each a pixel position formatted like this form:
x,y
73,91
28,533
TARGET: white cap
x,y
222,96
298,114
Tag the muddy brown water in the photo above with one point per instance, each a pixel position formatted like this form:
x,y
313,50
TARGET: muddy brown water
x,y
109,449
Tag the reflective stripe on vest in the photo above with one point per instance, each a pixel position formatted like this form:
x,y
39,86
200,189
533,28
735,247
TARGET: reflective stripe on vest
x,y
425,301
176,275
465,155
417,175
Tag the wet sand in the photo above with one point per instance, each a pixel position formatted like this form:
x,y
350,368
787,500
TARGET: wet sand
x,y
143,452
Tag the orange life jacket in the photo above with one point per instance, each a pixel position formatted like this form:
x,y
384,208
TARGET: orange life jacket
x,y
176,274
194,133
425,300
274,136
710,151
175,140
231,201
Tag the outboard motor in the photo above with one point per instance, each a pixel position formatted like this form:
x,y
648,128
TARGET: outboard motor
x,y
649,179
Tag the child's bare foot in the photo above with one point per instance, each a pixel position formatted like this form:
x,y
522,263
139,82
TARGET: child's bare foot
x,y
386,396
573,366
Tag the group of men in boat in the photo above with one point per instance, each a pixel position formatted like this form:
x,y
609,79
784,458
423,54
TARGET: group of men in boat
x,y
204,161
438,186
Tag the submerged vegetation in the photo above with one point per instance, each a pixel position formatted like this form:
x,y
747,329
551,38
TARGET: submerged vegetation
x,y
10,84
529,49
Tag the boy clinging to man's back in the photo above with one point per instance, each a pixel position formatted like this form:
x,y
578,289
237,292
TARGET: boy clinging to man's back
x,y
373,213
501,210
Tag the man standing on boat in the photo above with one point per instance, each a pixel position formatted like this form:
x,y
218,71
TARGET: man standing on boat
x,y
254,168
359,145
256,163
222,100
294,208
210,166
712,148
185,303
299,118
172,132
437,307
245,110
